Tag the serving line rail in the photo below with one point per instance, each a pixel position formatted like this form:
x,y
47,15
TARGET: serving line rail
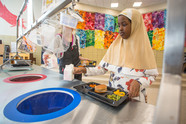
x,y
89,111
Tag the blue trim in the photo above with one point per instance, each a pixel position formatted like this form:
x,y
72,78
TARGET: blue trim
x,y
11,112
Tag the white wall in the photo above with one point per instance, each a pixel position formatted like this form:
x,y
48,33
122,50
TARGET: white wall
x,y
88,8
153,8
14,7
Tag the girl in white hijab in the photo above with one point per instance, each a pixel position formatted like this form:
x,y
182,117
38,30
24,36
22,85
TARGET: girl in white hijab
x,y
130,58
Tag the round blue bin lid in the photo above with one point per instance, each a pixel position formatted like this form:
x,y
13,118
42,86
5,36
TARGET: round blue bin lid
x,y
42,105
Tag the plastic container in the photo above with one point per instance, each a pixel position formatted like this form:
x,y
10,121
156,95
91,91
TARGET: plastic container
x,y
52,61
68,72
68,20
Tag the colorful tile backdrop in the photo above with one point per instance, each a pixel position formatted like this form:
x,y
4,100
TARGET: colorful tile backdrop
x,y
147,17
100,30
89,21
158,38
155,25
82,37
81,25
109,23
100,21
108,38
99,39
90,38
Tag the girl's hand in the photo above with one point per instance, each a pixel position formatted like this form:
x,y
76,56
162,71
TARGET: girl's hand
x,y
134,89
79,70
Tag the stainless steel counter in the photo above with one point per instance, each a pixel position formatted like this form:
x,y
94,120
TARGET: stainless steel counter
x,y
89,111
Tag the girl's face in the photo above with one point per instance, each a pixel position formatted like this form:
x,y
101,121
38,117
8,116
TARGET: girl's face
x,y
124,26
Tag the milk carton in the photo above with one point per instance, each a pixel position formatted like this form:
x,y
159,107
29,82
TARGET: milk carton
x,y
68,72
52,61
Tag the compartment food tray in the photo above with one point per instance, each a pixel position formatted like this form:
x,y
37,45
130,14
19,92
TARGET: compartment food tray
x,y
86,89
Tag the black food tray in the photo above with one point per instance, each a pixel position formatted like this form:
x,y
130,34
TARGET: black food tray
x,y
19,65
86,89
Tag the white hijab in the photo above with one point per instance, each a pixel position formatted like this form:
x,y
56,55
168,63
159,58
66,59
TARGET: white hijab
x,y
134,52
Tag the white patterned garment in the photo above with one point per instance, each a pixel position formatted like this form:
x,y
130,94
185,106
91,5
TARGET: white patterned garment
x,y
121,77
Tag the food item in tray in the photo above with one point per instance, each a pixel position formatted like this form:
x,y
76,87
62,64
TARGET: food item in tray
x,y
114,97
92,85
117,92
84,63
94,64
102,88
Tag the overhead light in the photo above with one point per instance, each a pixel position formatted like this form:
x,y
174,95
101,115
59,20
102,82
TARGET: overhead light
x,y
114,5
137,4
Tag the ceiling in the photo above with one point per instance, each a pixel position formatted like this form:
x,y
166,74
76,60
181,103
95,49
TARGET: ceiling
x,y
122,3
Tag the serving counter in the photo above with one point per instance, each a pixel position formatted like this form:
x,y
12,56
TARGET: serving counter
x,y
89,110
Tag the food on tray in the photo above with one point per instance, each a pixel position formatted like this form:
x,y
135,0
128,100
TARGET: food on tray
x,y
114,97
117,92
92,85
101,92
87,63
102,88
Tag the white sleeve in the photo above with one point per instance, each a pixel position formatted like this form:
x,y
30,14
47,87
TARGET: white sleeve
x,y
146,81
148,77
95,71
